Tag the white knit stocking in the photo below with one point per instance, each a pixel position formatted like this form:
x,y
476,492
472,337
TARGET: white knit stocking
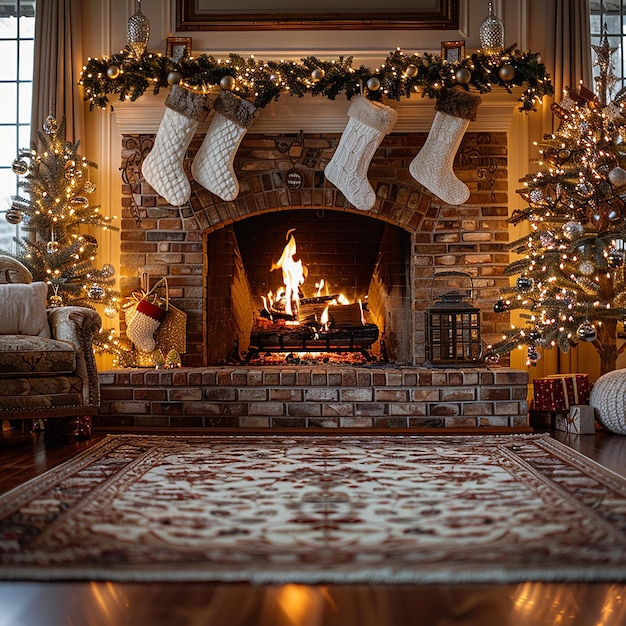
x,y
347,170
212,166
144,323
163,167
432,167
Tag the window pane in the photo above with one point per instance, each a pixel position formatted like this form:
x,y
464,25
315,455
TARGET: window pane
x,y
8,145
8,54
23,136
26,59
8,28
8,97
27,26
26,102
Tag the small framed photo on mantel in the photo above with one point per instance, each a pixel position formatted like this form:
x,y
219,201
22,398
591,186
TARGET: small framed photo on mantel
x,y
178,48
453,51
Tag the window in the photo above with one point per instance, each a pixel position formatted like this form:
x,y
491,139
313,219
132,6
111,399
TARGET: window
x,y
17,30
612,14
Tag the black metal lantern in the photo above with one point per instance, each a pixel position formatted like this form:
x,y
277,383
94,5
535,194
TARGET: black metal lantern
x,y
453,322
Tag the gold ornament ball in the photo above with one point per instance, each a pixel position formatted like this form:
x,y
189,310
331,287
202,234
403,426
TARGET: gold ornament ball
x,y
89,187
463,76
113,72
507,73
411,71
174,77
538,58
55,301
373,84
110,311
318,73
52,247
227,83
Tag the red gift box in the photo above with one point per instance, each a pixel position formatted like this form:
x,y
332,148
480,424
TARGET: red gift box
x,y
560,391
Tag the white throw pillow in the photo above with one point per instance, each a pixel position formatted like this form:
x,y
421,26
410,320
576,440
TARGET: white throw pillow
x,y
23,309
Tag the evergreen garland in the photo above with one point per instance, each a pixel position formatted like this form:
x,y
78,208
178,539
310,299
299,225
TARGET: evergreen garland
x,y
400,76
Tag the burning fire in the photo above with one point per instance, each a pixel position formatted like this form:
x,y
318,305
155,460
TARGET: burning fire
x,y
294,274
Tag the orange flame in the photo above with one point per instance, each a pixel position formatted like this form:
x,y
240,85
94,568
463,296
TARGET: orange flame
x,y
293,274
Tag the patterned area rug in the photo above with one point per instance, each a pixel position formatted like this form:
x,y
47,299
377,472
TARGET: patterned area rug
x,y
314,509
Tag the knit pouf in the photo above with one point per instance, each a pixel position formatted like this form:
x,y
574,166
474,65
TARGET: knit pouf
x,y
608,397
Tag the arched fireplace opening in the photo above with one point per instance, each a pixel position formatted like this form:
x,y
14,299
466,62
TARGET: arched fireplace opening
x,y
353,301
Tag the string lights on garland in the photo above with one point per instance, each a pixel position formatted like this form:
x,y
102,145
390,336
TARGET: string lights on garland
x,y
129,76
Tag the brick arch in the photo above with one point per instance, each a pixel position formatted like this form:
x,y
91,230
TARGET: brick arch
x,y
261,171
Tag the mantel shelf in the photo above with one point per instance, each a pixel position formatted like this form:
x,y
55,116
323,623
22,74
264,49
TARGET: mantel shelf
x,y
311,114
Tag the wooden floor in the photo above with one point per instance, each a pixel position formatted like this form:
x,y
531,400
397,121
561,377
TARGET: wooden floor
x,y
115,604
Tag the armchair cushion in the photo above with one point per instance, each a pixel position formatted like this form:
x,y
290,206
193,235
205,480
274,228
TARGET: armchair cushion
x,y
21,354
23,309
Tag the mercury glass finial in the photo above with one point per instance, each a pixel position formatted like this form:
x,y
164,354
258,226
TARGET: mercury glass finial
x,y
491,33
138,31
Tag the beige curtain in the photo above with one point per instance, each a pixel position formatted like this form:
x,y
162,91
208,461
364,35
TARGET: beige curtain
x,y
57,64
568,48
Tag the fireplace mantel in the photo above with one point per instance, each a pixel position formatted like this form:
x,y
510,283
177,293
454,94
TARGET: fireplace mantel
x,y
312,114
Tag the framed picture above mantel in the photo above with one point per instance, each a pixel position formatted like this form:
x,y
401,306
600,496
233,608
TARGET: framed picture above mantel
x,y
198,15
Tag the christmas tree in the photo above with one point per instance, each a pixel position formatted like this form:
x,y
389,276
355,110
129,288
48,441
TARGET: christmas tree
x,y
571,278
55,209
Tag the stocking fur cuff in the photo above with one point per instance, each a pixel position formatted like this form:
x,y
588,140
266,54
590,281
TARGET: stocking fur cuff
x,y
373,114
194,106
458,104
236,109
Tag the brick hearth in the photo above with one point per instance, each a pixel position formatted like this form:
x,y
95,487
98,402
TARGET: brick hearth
x,y
313,397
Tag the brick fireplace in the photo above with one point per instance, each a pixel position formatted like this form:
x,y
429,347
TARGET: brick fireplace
x,y
216,256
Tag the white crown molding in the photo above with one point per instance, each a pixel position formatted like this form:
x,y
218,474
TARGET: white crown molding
x,y
310,114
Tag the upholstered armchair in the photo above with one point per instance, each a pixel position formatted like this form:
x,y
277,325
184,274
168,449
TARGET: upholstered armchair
x,y
47,367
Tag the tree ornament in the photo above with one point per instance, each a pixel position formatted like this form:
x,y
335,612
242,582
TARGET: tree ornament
x,y
55,300
614,259
227,83
524,283
89,187
174,77
586,331
13,216
535,336
507,73
463,76
19,167
373,84
491,33
317,74
138,31
50,126
80,202
501,306
294,179
586,268
96,292
113,72
90,243
617,177
532,355
108,270
573,229
110,311
52,247
172,359
538,58
411,71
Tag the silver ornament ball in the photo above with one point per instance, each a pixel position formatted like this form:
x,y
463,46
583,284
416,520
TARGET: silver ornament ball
x,y
463,76
317,74
573,229
227,83
19,167
507,73
113,71
617,177
412,71
586,332
50,125
373,84
174,77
